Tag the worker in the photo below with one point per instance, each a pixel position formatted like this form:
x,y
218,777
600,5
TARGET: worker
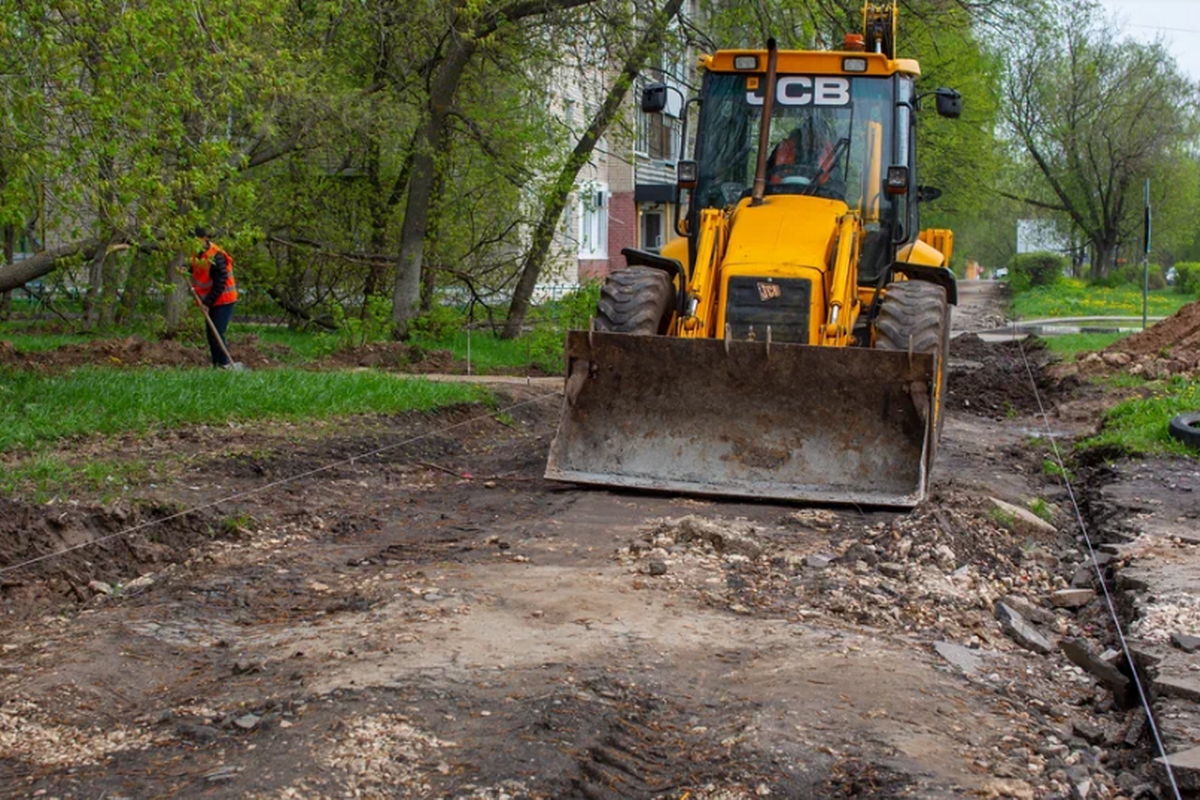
x,y
807,155
215,288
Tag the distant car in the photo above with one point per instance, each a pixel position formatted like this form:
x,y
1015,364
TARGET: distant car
x,y
1170,276
1000,273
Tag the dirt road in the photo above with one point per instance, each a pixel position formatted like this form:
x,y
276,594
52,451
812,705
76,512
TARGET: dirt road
x,y
438,621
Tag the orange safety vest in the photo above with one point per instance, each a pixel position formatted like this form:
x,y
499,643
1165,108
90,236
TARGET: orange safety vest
x,y
202,280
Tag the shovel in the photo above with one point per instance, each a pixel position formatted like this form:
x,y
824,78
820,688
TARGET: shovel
x,y
236,366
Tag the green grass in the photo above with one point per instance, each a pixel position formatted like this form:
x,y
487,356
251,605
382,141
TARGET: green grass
x,y
1070,345
44,476
38,409
1139,426
1075,298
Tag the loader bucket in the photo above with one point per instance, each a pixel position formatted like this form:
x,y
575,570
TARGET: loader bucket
x,y
745,419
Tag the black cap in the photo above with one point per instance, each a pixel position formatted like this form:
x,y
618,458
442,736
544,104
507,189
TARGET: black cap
x,y
200,232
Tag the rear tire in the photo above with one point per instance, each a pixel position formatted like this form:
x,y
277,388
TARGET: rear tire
x,y
635,300
914,315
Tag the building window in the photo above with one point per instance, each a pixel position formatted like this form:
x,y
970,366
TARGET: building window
x,y
593,220
652,230
656,135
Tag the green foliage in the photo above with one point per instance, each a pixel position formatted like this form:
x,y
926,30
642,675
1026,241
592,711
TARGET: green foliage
x,y
439,323
1050,467
552,320
1003,518
355,330
39,409
1041,509
1187,277
1139,426
1070,297
1027,270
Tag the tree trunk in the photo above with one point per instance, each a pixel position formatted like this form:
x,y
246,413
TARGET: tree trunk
x,y
14,276
134,284
407,291
10,249
1103,262
177,299
544,233
443,87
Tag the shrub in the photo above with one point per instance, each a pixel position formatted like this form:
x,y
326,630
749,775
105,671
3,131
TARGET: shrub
x,y
1027,270
1187,277
1157,280
439,323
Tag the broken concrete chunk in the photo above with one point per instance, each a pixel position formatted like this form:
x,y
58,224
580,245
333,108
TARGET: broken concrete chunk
x,y
1185,765
1113,679
962,657
723,538
1183,688
139,584
1021,631
1092,734
818,560
1072,598
1020,790
1029,610
247,722
1186,643
1020,520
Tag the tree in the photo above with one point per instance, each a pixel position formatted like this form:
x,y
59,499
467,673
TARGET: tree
x,y
470,26
1097,117
650,40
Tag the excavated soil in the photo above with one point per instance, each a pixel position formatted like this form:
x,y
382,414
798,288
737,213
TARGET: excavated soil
x,y
1170,347
134,351
440,621
993,380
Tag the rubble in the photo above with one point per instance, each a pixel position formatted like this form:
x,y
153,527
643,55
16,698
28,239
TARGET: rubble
x,y
1072,598
1082,656
1021,631
1020,520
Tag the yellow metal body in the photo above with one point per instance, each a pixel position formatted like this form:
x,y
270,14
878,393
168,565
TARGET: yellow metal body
x,y
831,419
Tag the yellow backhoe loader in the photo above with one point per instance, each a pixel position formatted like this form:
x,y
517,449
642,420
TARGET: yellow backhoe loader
x,y
791,342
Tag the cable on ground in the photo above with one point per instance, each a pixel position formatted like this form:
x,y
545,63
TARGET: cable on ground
x,y
1112,609
273,484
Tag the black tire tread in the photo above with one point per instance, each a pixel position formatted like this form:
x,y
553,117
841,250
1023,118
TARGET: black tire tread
x,y
1186,428
634,300
914,309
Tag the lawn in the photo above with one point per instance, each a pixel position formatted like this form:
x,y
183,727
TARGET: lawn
x,y
1139,426
40,409
1069,345
1076,298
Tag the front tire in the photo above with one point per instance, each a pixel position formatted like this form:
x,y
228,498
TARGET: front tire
x,y
635,300
914,317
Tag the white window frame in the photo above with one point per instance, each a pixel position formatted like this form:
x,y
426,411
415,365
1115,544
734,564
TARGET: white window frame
x,y
593,220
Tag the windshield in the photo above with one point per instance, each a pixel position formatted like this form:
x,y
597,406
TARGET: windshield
x,y
830,137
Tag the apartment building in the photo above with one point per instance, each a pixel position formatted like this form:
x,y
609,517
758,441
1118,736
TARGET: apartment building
x,y
625,196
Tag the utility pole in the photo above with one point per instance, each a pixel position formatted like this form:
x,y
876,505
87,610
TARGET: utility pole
x,y
1146,256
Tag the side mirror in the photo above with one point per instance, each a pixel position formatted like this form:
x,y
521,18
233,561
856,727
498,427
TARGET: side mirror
x,y
949,103
654,98
927,194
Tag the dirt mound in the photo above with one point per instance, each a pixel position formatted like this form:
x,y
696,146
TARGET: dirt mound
x,y
992,379
1170,347
29,531
393,355
132,351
